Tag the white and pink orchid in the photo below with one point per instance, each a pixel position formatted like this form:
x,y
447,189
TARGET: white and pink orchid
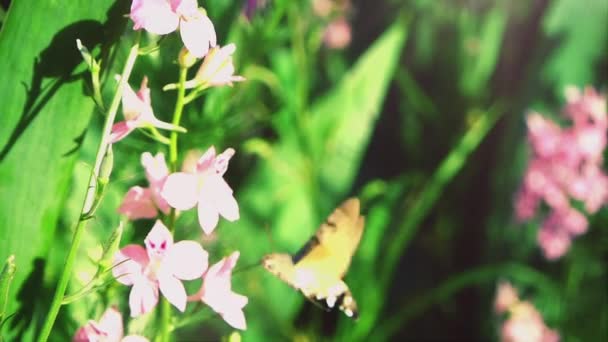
x,y
206,188
137,109
160,266
165,16
216,291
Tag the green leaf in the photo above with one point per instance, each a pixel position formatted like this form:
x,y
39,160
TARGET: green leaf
x,y
484,48
580,29
44,118
342,123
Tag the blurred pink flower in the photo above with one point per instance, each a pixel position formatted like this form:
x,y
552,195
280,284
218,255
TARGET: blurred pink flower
x,y
108,329
553,241
322,8
205,187
165,16
506,296
217,69
137,109
566,163
337,34
216,292
161,265
524,322
145,202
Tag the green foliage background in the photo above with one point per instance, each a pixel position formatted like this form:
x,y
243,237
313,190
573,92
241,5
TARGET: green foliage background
x,y
421,117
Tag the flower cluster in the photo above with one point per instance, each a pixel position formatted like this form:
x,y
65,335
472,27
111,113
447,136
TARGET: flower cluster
x,y
524,322
204,187
566,164
162,265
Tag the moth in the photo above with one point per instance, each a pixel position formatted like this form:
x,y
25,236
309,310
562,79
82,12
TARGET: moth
x,y
318,268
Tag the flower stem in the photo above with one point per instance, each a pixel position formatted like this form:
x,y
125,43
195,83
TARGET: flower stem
x,y
89,197
177,116
165,329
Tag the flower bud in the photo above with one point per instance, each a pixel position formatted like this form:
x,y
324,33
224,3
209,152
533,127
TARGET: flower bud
x,y
110,248
107,163
88,58
186,59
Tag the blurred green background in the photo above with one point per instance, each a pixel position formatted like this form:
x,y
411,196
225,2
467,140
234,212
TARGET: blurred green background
x,y
420,114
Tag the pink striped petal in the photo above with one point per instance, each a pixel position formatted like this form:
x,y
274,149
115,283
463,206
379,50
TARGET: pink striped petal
x,y
119,131
206,160
143,297
129,263
138,203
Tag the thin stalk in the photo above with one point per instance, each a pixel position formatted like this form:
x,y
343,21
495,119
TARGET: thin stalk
x,y
482,275
177,116
165,329
446,171
90,196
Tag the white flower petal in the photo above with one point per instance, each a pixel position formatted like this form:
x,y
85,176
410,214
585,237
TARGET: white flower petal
x,y
181,191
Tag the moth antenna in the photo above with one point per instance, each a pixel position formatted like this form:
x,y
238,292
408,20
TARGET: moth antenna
x,y
269,235
245,268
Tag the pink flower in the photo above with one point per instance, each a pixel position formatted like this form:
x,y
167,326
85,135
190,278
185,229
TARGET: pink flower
x,y
566,164
108,329
526,204
525,324
217,69
216,292
165,16
544,135
205,187
161,265
506,297
137,109
337,34
145,202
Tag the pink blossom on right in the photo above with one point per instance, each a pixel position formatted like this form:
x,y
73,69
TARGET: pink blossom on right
x,y
524,323
204,188
566,165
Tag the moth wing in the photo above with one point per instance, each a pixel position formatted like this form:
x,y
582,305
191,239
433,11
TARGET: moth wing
x,y
340,235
